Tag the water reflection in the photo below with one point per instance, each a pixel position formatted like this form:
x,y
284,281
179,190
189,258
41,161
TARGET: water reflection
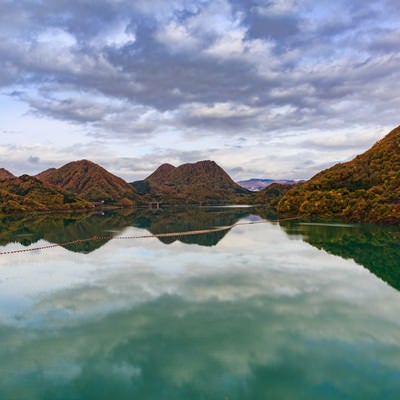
x,y
62,228
257,316
173,348
375,247
189,219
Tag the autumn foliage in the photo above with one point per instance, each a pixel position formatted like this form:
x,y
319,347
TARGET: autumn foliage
x,y
202,182
91,182
27,193
365,189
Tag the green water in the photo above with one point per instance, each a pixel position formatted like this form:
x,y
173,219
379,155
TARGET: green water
x,y
296,310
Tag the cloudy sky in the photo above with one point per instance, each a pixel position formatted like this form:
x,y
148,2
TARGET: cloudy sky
x,y
266,88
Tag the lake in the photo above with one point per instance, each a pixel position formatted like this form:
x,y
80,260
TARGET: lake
x,y
261,310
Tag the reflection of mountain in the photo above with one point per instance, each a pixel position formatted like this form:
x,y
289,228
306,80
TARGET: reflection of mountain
x,y
64,228
58,228
375,247
190,219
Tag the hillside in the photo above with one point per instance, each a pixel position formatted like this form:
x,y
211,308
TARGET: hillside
x,y
272,194
27,193
161,174
92,182
365,189
4,174
203,181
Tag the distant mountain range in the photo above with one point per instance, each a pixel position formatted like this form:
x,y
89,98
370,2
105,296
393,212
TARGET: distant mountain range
x,y
256,184
364,189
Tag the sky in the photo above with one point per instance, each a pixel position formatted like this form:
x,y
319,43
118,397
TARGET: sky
x,y
266,88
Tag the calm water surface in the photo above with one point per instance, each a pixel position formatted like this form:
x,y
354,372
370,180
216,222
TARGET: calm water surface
x,y
297,310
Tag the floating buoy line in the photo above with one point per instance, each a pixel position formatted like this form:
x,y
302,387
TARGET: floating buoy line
x,y
155,235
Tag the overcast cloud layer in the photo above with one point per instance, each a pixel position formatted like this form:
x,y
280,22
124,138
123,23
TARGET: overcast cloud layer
x,y
277,88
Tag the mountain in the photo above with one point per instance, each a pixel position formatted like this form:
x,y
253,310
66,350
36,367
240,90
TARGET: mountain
x,y
28,193
365,189
272,194
4,174
203,181
256,184
161,174
92,182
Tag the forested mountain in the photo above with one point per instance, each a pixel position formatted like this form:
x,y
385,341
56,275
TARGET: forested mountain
x,y
4,174
27,193
365,189
200,182
92,182
161,175
272,194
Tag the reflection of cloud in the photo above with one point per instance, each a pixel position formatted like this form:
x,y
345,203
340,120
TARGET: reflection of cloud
x,y
247,345
146,270
237,320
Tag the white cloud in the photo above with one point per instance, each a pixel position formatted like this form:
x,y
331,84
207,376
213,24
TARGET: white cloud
x,y
220,110
230,45
115,35
215,19
160,76
56,39
277,7
177,38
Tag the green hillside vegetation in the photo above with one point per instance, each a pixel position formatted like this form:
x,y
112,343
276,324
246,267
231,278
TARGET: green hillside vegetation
x,y
27,193
365,189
